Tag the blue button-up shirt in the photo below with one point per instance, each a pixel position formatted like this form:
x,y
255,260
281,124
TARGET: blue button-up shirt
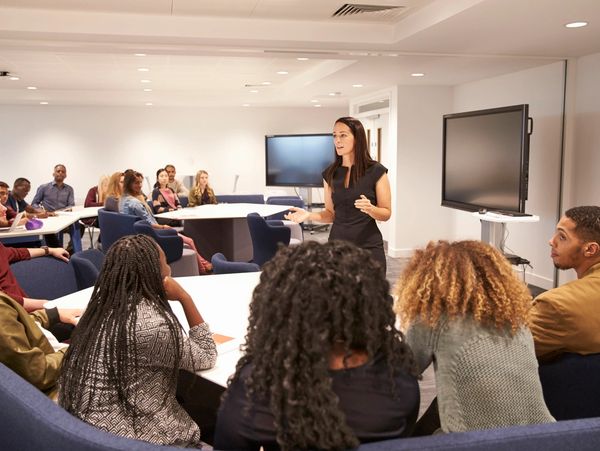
x,y
51,197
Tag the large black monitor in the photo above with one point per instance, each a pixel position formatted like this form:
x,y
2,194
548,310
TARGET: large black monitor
x,y
298,160
486,159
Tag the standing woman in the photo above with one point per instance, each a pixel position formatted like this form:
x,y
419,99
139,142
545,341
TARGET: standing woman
x,y
201,193
164,199
357,192
120,371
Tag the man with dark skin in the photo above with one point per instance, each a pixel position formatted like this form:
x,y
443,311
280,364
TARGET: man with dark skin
x,y
16,199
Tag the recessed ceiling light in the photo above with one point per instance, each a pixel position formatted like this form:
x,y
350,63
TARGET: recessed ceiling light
x,y
148,103
146,81
282,72
318,105
13,78
266,83
245,104
43,103
332,93
148,89
143,69
392,54
357,85
314,101
417,74
140,54
254,91
302,59
31,87
576,24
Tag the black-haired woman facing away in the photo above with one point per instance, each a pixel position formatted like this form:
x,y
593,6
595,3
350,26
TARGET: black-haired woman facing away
x,y
120,371
324,366
357,192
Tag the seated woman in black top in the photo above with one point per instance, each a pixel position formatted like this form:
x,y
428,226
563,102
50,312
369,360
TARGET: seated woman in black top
x,y
324,365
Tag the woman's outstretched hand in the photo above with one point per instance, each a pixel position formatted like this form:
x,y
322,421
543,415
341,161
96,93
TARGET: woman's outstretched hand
x,y
297,215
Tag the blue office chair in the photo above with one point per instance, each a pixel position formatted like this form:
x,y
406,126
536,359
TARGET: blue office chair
x,y
87,266
184,201
241,199
113,226
31,420
167,239
46,277
294,201
222,266
266,237
570,386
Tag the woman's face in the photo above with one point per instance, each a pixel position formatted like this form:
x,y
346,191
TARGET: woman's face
x,y
103,186
137,186
163,178
121,181
343,139
203,180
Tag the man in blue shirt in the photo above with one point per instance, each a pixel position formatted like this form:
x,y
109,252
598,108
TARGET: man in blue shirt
x,y
55,195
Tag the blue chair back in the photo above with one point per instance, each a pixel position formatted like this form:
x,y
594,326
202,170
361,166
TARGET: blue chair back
x,y
222,266
113,226
184,201
570,386
241,199
266,238
87,266
168,240
46,277
30,420
294,201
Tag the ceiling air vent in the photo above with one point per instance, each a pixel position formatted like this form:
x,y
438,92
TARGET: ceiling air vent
x,y
381,12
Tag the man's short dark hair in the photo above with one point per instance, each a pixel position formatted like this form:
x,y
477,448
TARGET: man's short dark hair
x,y
587,222
4,185
59,164
169,166
20,181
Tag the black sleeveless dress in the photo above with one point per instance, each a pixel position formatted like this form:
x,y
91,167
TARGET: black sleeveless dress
x,y
350,224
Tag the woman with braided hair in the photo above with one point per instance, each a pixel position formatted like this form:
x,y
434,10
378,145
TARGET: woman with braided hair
x,y
324,366
467,312
120,371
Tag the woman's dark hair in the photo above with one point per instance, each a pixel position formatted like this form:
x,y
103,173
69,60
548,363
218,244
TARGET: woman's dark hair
x,y
362,159
310,298
129,179
157,184
107,330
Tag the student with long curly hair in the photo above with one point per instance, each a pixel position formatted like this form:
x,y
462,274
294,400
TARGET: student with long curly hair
x,y
324,366
467,312
201,193
121,369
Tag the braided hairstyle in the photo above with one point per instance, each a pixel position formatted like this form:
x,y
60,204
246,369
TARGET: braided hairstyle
x,y
107,329
310,298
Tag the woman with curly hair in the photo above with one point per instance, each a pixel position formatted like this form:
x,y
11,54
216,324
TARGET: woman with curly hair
x,y
201,193
121,369
467,312
324,366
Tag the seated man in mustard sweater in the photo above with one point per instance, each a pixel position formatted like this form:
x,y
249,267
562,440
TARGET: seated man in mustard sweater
x,y
567,318
26,345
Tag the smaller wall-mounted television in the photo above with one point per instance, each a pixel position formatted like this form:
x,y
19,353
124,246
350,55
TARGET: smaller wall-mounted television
x,y
298,160
486,159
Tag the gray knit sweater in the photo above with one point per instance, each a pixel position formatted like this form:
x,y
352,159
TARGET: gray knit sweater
x,y
485,377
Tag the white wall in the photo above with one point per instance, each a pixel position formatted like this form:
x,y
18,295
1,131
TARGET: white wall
x,y
542,89
92,141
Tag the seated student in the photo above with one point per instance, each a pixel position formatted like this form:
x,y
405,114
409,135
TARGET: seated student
x,y
164,199
120,371
175,184
114,191
97,194
16,199
130,204
26,345
567,318
324,365
8,281
466,312
201,193
7,214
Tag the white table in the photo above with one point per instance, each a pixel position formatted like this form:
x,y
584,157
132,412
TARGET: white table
x,y
51,225
222,227
222,300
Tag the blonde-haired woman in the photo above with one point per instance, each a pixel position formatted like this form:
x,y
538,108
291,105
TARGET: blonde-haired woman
x,y
97,194
114,191
466,311
201,193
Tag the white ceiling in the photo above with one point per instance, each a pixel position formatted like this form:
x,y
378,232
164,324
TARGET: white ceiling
x,y
205,52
